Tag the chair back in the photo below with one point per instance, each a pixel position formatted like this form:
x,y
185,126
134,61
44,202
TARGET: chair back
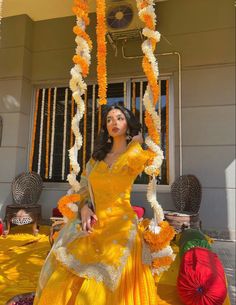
x,y
186,192
27,188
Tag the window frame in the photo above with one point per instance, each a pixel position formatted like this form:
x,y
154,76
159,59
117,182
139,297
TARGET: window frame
x,y
64,186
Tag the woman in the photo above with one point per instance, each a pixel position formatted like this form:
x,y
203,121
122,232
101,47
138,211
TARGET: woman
x,y
100,262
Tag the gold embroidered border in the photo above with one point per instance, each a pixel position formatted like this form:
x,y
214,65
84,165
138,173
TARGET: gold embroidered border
x,y
99,271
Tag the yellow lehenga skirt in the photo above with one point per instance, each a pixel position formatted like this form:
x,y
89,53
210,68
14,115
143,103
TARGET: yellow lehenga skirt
x,y
136,286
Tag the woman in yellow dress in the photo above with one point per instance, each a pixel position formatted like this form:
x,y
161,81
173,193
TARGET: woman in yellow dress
x,y
100,261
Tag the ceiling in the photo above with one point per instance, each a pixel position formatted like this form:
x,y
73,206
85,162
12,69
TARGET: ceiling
x,y
45,9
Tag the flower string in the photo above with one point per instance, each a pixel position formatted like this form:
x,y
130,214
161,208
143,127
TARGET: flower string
x,y
82,60
101,51
64,135
34,130
158,233
71,131
41,131
53,132
67,206
133,97
48,133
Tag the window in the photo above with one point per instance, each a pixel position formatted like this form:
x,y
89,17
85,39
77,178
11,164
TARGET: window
x,y
52,136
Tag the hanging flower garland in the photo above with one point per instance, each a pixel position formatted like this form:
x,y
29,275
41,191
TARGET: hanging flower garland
x,y
34,130
125,95
64,135
53,132
48,133
82,61
67,206
41,131
133,97
156,231
71,132
101,51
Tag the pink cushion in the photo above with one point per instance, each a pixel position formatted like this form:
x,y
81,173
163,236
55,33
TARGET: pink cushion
x,y
138,210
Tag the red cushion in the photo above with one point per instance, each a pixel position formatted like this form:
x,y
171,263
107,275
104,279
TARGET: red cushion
x,y
138,210
56,213
1,228
201,279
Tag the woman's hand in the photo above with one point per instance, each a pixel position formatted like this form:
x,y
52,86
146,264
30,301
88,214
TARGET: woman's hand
x,y
87,218
138,138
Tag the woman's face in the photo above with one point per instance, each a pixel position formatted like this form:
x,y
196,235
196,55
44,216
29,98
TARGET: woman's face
x,y
116,123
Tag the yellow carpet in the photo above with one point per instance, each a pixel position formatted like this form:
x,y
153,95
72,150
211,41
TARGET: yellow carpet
x,y
22,256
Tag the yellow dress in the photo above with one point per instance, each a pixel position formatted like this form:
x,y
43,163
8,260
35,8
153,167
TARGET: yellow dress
x,y
104,267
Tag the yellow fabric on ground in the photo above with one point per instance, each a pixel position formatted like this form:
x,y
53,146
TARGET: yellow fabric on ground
x,y
21,258
136,286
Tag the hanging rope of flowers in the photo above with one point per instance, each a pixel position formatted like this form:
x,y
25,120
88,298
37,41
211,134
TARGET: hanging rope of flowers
x,y
53,132
157,233
34,131
48,134
82,60
101,51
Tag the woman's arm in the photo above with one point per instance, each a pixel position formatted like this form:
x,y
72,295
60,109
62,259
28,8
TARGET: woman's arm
x,y
85,205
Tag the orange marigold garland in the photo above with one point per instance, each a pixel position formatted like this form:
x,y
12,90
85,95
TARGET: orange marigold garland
x,y
158,233
34,130
101,51
67,207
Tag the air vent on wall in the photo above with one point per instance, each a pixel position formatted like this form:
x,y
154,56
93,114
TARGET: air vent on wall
x,y
123,16
119,16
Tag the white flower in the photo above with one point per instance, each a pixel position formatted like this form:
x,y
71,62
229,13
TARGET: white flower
x,y
167,251
73,207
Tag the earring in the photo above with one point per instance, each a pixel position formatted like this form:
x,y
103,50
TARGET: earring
x,y
109,140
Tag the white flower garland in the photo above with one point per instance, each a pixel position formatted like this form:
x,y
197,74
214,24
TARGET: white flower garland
x,y
64,136
41,131
147,49
78,87
53,132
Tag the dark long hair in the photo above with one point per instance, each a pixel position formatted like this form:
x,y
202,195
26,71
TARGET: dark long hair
x,y
101,147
